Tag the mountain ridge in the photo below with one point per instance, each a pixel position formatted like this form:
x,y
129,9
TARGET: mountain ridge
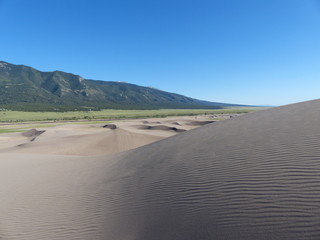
x,y
26,88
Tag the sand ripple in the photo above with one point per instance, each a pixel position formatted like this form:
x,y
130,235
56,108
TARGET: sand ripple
x,y
253,177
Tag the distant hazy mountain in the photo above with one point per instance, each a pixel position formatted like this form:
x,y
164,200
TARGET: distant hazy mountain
x,y
25,88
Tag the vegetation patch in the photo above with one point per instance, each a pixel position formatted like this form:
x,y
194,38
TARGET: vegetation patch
x,y
11,130
110,114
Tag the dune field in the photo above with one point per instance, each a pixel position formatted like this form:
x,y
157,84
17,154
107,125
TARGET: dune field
x,y
256,176
97,138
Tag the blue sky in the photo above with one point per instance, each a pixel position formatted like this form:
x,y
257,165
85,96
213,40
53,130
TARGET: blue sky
x,y
248,51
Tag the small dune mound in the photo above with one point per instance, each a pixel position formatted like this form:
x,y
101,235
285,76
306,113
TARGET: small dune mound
x,y
166,128
160,127
33,134
110,126
199,123
147,122
176,123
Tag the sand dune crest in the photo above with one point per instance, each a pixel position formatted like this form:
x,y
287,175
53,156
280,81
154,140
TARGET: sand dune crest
x,y
160,127
110,126
251,177
32,134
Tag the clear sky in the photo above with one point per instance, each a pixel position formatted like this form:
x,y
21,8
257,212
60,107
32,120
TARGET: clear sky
x,y
235,51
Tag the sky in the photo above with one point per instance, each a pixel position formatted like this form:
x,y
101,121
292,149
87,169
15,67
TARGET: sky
x,y
258,52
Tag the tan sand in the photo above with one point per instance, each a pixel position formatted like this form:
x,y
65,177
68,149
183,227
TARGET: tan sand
x,y
256,176
95,139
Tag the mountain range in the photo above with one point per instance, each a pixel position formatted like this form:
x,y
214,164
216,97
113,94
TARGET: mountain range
x,y
28,89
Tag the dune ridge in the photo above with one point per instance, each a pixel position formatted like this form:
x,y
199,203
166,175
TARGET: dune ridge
x,y
92,139
161,127
32,134
256,176
90,144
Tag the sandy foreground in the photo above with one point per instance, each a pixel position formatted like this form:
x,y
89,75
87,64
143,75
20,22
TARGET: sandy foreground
x,y
256,176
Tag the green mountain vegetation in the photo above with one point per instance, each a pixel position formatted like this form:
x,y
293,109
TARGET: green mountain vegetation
x,y
25,88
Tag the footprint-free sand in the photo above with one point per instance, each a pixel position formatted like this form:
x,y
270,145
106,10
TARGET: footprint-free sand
x,y
256,176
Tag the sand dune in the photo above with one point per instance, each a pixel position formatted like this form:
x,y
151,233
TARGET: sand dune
x,y
110,126
32,133
88,140
161,127
256,176
199,123
106,142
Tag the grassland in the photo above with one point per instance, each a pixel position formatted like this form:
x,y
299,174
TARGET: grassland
x,y
19,116
11,130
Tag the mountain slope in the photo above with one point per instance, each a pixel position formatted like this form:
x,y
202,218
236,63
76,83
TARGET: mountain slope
x,y
26,88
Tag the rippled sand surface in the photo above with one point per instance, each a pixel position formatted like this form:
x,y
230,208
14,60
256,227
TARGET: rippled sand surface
x,y
256,176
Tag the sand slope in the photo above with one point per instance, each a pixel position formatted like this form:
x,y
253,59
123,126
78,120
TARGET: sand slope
x,y
98,143
253,177
94,139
